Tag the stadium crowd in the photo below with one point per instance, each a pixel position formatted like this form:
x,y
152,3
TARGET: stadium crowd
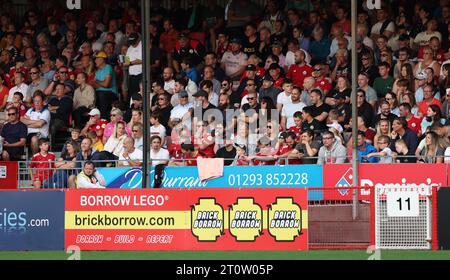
x,y
255,85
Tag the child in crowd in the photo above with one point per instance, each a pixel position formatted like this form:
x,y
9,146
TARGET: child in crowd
x,y
241,156
384,152
402,152
75,135
44,162
97,144
18,103
157,129
297,128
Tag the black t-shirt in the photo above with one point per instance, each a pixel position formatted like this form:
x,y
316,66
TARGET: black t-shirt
x,y
229,156
317,110
250,48
366,111
247,109
12,133
315,126
164,116
346,111
65,108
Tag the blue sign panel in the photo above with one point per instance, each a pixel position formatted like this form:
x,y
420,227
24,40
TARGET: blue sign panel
x,y
295,176
32,220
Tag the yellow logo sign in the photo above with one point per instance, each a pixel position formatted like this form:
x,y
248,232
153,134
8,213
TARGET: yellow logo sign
x,y
245,220
207,220
284,219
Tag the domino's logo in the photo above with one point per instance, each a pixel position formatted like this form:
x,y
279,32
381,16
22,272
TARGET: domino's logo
x,y
345,181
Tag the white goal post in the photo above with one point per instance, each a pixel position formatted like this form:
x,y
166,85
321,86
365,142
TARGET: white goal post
x,y
403,217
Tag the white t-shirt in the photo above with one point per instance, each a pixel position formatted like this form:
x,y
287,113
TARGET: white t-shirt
x,y
42,115
423,39
289,110
179,111
376,28
22,88
169,86
159,130
447,155
160,156
245,99
388,157
134,53
233,62
284,99
136,155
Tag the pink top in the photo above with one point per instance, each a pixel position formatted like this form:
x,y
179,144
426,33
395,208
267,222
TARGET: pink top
x,y
109,129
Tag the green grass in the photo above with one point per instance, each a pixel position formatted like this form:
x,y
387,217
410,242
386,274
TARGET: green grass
x,y
228,255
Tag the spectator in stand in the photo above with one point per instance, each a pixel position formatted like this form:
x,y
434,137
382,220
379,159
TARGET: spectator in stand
x,y
402,154
20,86
368,67
104,84
65,166
189,156
18,103
60,107
131,156
4,90
300,70
14,134
186,47
114,145
234,61
331,151
383,129
138,136
289,110
384,153
400,130
97,143
136,103
393,103
432,152
227,152
37,119
384,25
363,83
37,81
364,148
95,123
414,123
385,113
83,100
115,116
43,162
428,100
61,77
134,62
90,178
433,115
384,83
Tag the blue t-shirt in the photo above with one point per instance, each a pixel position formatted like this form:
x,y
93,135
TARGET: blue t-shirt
x,y
12,133
100,75
368,149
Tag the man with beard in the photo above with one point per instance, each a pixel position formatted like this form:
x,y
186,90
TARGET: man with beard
x,y
300,70
385,114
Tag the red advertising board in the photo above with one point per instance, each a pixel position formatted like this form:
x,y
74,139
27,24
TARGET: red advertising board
x,y
393,175
8,175
183,219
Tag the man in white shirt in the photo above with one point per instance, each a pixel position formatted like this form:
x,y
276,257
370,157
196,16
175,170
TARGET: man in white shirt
x,y
285,96
20,87
288,111
234,61
134,61
37,120
182,112
158,155
130,156
169,81
138,136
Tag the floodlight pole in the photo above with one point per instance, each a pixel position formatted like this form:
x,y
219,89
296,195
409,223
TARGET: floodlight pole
x,y
145,15
354,113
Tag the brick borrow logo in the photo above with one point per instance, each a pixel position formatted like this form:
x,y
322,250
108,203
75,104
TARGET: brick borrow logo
x,y
207,220
345,181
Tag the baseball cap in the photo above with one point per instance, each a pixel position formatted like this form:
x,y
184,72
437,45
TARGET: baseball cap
x,y
183,94
236,41
250,67
200,93
101,54
421,76
94,112
336,126
274,66
268,78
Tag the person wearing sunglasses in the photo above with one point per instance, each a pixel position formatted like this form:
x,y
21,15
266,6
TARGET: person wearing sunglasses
x,y
37,82
61,76
14,135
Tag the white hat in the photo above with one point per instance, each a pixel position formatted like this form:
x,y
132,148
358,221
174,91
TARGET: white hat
x,y
336,126
94,112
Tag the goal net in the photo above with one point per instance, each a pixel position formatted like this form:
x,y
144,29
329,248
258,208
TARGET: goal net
x,y
403,217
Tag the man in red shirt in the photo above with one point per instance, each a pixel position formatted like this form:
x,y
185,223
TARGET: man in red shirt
x,y
300,70
44,162
322,82
95,123
428,99
189,158
413,123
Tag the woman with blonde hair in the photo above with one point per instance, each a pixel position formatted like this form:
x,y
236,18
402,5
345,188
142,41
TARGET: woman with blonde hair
x,y
114,145
383,128
432,152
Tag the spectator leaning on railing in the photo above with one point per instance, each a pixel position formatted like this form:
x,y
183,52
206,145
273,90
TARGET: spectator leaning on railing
x,y
90,178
